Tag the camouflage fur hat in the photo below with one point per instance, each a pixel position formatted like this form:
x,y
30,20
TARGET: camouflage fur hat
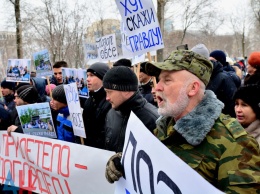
x,y
183,60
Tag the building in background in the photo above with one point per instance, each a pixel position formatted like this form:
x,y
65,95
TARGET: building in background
x,y
7,49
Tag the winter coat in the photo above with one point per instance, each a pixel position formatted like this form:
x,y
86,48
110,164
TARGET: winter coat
x,y
64,126
16,121
5,119
215,145
232,73
94,113
116,120
9,102
224,88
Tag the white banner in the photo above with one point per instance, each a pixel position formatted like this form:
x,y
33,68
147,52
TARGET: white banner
x,y
107,47
50,166
138,59
72,96
150,167
141,25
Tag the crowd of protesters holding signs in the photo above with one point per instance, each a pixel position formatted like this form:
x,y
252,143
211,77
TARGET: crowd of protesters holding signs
x,y
200,106
181,101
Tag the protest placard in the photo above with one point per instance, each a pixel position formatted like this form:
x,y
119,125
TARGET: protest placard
x,y
18,70
42,63
125,44
78,76
90,50
150,167
107,47
141,25
36,119
138,59
72,97
49,166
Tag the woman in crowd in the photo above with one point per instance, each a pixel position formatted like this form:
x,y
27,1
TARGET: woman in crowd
x,y
247,108
253,67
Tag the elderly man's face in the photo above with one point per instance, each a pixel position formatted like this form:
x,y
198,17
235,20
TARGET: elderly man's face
x,y
171,93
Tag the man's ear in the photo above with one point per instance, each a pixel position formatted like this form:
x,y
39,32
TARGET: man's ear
x,y
193,88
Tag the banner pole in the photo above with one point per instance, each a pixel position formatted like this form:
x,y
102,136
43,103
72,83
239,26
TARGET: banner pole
x,y
49,86
138,71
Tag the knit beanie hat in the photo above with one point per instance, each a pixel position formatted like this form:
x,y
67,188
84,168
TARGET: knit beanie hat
x,y
120,78
250,94
254,59
28,94
201,49
58,94
9,85
123,62
219,55
98,69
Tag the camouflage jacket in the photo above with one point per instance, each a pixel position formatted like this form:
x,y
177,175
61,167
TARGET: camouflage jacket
x,y
215,145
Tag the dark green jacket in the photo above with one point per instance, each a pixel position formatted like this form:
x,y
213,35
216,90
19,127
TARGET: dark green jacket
x,y
215,145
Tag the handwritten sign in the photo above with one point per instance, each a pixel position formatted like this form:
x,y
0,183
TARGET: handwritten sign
x,y
72,97
141,24
107,47
125,43
44,165
42,63
36,119
18,70
90,51
150,167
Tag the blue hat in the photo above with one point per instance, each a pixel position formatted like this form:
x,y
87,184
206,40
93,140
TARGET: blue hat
x,y
219,55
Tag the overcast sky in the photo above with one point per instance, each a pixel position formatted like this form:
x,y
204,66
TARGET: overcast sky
x,y
228,6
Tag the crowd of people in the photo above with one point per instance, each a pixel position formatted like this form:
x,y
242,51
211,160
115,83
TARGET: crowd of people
x,y
204,107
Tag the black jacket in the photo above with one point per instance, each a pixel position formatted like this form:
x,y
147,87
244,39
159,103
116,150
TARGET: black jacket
x,y
222,84
116,120
94,114
9,102
232,73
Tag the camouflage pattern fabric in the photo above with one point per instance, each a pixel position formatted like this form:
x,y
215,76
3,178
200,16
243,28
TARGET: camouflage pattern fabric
x,y
228,158
183,60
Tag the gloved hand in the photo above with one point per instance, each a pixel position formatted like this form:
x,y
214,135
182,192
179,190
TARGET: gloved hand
x,y
114,168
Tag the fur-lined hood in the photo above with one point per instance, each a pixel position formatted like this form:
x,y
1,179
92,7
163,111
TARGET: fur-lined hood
x,y
195,125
